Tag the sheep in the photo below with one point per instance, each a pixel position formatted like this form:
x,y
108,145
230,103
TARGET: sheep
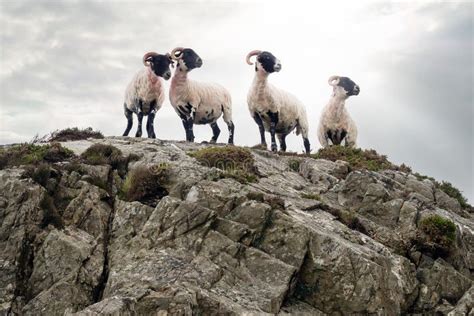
x,y
273,109
197,102
335,123
145,94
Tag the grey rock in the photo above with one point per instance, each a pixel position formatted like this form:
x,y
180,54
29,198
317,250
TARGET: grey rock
x,y
319,241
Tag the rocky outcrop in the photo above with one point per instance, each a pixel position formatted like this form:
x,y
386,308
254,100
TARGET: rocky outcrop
x,y
318,240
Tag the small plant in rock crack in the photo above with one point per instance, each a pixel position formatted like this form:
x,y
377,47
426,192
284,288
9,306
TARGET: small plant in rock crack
x,y
294,165
235,162
146,184
436,235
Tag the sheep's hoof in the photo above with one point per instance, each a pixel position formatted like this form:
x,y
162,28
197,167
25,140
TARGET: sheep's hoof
x,y
274,148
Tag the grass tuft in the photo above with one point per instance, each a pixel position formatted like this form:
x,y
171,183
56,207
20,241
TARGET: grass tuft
x,y
294,165
101,154
236,162
146,184
436,234
74,133
27,154
359,159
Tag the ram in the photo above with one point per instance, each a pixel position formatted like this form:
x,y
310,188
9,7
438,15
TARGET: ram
x,y
273,109
335,124
145,94
198,102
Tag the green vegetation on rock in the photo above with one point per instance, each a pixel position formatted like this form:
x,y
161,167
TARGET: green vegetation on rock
x,y
294,164
453,192
146,184
74,133
438,234
26,154
235,162
101,154
358,159
310,196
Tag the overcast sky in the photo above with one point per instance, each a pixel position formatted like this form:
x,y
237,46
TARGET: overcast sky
x,y
67,63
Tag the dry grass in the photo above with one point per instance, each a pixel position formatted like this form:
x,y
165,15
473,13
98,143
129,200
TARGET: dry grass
x,y
70,134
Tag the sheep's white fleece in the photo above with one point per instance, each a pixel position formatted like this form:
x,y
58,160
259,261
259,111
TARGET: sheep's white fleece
x,y
208,100
145,86
336,117
264,97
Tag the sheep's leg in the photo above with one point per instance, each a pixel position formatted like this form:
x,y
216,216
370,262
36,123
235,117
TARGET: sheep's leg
x,y
188,127
215,132
129,116
273,123
306,145
231,128
139,128
259,122
282,140
140,119
350,141
150,129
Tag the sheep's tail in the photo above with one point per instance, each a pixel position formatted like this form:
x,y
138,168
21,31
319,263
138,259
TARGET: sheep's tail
x,y
227,110
302,126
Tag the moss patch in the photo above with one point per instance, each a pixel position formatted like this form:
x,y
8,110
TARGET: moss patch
x,y
436,235
236,162
26,154
146,184
310,196
359,159
74,133
294,165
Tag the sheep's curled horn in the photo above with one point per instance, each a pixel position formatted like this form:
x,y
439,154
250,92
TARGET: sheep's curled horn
x,y
331,79
174,51
148,55
252,53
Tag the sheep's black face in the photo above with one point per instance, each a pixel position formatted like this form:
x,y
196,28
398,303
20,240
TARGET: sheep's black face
x,y
269,62
349,86
160,64
190,59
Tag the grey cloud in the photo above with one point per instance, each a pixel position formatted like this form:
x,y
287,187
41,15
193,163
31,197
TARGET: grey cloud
x,y
71,61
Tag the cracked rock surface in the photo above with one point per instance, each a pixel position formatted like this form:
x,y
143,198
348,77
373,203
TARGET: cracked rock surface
x,y
219,247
